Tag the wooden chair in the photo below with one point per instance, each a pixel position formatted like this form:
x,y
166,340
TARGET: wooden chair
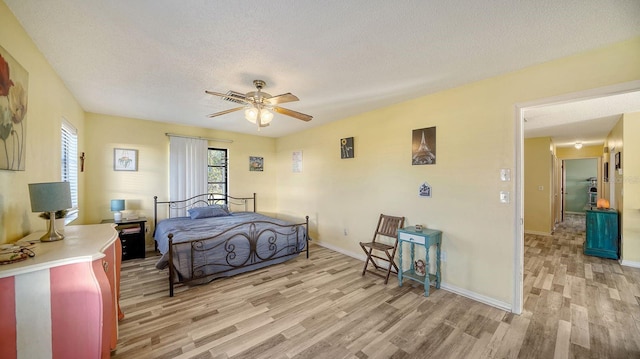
x,y
387,227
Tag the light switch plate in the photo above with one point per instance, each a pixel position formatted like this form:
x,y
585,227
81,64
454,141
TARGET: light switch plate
x,y
505,175
504,196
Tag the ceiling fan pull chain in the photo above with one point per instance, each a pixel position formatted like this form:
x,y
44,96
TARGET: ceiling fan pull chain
x,y
259,118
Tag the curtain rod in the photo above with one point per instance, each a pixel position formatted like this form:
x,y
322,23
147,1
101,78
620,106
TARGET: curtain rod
x,y
200,138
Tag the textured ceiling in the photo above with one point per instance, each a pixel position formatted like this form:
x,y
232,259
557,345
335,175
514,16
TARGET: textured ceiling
x,y
587,121
153,59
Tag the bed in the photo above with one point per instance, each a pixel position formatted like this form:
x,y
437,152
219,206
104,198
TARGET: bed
x,y
208,244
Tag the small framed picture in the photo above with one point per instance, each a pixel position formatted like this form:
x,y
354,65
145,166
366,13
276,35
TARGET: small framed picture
x,y
125,159
618,164
423,143
256,163
346,148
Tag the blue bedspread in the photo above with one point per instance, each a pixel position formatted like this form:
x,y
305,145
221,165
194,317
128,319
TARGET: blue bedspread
x,y
250,241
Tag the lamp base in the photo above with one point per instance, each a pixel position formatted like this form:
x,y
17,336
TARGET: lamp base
x,y
52,234
117,216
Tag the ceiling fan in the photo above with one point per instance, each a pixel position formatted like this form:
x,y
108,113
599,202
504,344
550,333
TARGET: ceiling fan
x,y
257,105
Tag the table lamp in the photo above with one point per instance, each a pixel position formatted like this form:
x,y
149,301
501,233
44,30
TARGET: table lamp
x,y
50,197
117,205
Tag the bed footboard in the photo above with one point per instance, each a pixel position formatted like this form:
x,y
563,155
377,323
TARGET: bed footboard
x,y
243,247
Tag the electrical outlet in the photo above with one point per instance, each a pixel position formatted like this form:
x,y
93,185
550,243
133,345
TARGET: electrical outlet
x,y
504,196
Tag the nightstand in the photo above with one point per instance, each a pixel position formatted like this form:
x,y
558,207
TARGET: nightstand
x,y
132,236
426,238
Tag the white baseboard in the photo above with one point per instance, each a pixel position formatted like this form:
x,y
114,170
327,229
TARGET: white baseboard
x,y
477,297
629,263
450,288
361,257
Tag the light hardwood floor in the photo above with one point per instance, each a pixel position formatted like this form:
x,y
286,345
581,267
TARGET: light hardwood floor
x,y
576,306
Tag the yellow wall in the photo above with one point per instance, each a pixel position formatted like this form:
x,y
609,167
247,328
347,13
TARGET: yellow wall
x,y
48,102
104,133
630,178
475,139
538,170
615,141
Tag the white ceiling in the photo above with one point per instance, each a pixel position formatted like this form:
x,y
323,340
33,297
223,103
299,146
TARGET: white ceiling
x,y
587,121
153,59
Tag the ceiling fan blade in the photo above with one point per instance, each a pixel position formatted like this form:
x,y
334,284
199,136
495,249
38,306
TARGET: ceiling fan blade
x,y
230,96
285,97
225,112
292,113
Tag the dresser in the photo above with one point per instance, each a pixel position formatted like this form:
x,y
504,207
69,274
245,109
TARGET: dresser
x,y
602,237
63,302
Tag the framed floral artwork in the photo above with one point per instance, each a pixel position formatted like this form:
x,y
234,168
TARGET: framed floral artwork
x,y
14,82
125,159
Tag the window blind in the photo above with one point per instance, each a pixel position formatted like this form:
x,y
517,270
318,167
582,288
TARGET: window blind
x,y
69,161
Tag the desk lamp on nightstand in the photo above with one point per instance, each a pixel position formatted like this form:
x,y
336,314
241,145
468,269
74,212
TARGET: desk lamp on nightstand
x,y
50,197
117,205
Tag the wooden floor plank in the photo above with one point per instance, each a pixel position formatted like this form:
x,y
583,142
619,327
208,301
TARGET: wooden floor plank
x,y
575,306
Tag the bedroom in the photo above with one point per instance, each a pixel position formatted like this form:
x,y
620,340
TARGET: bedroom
x,y
465,181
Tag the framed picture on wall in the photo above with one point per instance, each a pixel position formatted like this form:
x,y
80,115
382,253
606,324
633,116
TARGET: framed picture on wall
x,y
256,163
618,164
125,159
346,147
605,172
423,143
14,88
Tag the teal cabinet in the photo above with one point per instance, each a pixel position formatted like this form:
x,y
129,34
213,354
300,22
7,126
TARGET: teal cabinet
x,y
602,233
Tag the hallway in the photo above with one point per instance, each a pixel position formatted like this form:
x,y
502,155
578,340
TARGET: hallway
x,y
588,305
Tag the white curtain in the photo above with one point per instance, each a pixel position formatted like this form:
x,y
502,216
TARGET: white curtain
x,y
187,169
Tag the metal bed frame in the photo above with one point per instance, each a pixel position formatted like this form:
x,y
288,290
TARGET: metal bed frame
x,y
245,231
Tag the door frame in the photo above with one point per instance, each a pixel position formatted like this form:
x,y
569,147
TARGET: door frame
x,y
518,255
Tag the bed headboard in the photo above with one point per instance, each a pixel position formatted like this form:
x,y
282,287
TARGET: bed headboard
x,y
202,200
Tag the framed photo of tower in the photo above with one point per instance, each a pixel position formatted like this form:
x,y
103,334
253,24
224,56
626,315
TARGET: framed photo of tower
x,y
423,146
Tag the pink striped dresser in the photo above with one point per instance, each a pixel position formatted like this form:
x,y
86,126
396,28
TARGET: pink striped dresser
x,y
63,303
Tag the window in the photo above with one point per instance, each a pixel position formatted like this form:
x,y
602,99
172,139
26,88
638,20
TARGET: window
x,y
217,166
69,163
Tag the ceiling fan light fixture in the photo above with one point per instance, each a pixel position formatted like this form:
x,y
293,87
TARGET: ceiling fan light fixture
x,y
258,106
578,145
251,114
266,116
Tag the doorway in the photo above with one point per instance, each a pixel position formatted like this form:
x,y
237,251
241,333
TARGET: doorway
x,y
580,184
599,93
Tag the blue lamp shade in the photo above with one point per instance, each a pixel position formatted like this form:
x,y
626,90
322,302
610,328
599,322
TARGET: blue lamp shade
x,y
50,197
117,205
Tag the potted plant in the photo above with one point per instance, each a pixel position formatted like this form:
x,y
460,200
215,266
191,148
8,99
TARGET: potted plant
x,y
59,214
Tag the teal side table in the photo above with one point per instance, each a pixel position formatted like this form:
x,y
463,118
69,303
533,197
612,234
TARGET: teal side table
x,y
425,238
